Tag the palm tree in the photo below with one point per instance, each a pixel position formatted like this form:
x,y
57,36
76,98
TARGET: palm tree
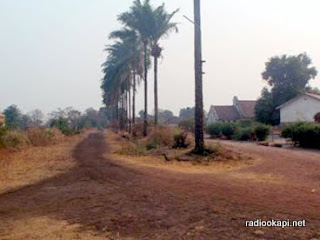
x,y
116,81
139,18
199,138
162,27
130,38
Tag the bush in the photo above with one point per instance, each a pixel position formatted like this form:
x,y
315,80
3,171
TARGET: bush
x,y
219,129
63,125
245,123
180,140
15,139
243,134
187,125
305,134
261,132
160,137
133,148
43,137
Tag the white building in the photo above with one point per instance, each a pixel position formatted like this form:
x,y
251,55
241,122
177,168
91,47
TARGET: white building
x,y
302,108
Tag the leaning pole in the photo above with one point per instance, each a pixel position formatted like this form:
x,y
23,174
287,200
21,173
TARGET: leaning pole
x,y
199,136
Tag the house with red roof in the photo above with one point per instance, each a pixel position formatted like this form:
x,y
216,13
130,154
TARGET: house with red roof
x,y
241,109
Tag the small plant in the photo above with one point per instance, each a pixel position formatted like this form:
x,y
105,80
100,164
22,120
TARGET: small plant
x,y
161,137
261,132
44,136
187,125
15,139
180,140
133,148
305,134
243,134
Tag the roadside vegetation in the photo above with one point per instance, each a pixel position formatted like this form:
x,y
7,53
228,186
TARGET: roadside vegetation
x,y
305,135
242,130
171,144
33,129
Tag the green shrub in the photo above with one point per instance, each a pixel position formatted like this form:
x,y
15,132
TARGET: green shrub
x,y
243,134
261,132
15,139
63,125
245,123
187,125
180,140
219,129
214,129
305,134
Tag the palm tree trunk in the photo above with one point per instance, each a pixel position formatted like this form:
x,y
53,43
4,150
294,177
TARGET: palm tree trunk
x,y
134,99
129,92
145,123
156,110
199,138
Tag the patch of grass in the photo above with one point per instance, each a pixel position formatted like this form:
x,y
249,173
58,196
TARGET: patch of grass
x,y
132,148
15,139
44,136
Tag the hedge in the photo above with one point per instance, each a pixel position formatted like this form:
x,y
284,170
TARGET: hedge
x,y
307,135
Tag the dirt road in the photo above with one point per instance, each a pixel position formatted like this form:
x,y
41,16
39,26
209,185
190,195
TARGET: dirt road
x,y
102,198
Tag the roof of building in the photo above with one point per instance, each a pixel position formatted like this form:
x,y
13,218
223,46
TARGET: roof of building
x,y
226,113
315,96
247,108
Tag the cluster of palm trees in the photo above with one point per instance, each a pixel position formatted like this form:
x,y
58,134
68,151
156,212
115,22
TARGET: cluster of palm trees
x,y
129,59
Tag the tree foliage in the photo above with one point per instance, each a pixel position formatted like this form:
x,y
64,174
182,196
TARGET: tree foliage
x,y
287,76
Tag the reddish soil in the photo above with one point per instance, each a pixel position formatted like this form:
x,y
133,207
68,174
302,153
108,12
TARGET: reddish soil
x,y
106,199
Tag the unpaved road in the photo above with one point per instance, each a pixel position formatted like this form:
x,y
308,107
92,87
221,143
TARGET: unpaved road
x,y
101,198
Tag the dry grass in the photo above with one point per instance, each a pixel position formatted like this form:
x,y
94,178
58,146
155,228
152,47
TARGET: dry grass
x,y
33,164
44,136
156,158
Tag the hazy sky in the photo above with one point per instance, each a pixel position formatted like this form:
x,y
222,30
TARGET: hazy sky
x,y
51,50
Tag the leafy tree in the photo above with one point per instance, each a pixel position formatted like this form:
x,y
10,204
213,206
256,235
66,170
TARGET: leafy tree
x,y
13,117
36,118
139,18
265,108
313,90
165,115
287,76
162,27
186,113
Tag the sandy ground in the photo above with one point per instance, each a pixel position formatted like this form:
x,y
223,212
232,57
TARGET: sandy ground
x,y
91,194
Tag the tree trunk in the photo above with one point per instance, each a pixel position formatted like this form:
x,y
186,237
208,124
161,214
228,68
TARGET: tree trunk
x,y
130,126
145,122
156,110
134,99
199,138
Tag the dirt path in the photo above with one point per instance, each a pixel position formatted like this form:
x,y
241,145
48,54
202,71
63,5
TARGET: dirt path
x,y
101,198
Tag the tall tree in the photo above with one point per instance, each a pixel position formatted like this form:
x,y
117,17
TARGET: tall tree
x,y
287,77
130,38
139,18
162,28
13,117
199,136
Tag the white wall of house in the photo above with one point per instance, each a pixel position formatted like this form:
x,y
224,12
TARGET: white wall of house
x,y
301,109
212,116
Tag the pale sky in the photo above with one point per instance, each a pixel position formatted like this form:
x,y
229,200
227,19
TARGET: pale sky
x,y
51,50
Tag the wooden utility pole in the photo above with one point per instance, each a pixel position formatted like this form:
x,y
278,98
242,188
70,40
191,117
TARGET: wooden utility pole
x,y
199,137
